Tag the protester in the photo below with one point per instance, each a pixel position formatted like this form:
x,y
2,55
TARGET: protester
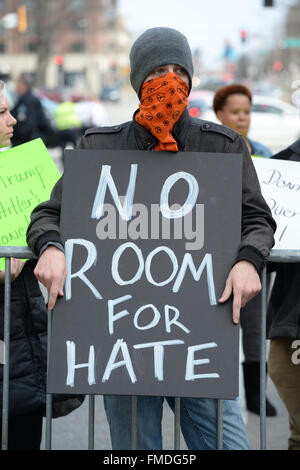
x,y
161,60
283,328
92,113
31,119
232,105
28,336
73,119
28,340
68,125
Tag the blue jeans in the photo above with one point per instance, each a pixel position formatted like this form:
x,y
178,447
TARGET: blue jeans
x,y
198,420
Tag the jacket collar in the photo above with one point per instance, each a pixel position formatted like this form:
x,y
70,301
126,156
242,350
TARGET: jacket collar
x,y
296,146
146,141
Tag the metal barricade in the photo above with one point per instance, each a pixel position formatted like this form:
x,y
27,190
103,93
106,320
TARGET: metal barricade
x,y
25,253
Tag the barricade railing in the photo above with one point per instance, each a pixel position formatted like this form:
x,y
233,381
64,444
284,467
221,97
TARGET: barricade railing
x,y
287,256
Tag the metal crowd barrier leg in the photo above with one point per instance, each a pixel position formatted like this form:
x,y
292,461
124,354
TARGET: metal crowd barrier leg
x,y
177,424
263,360
6,338
91,436
133,422
220,425
48,440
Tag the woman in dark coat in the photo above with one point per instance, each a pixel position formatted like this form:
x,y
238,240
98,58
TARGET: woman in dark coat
x,y
28,359
28,341
28,336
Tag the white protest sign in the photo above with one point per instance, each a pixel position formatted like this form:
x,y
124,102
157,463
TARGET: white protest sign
x,y
280,186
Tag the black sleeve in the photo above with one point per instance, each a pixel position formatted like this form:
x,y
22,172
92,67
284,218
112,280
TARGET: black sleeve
x,y
44,225
24,112
283,155
258,226
45,221
43,124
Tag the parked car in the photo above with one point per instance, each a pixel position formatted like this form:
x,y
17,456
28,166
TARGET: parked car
x,y
55,95
199,102
266,89
110,93
274,122
196,108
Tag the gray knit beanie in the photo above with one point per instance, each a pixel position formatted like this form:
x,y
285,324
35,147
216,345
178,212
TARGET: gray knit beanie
x,y
155,47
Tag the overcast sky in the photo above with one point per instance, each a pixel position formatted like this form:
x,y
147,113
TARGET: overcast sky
x,y
208,23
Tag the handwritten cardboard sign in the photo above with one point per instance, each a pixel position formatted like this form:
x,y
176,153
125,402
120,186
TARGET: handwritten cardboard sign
x,y
140,313
27,176
280,186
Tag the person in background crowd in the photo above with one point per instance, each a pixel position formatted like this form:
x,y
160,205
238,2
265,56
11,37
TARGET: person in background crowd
x,y
31,119
232,106
68,125
28,340
92,113
28,336
283,329
161,65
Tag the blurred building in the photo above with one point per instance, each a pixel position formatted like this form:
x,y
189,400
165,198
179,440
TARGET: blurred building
x,y
73,43
291,41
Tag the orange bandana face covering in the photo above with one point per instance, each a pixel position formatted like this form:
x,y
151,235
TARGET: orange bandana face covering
x,y
162,102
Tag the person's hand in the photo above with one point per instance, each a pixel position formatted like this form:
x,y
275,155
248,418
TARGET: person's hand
x,y
244,283
51,272
16,266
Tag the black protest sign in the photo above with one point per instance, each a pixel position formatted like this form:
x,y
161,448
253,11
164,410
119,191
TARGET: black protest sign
x,y
150,238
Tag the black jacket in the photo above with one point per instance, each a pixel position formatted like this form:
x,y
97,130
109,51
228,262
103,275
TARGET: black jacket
x,y
28,344
192,135
283,319
31,119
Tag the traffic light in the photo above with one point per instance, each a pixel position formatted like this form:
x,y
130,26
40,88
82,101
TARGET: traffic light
x,y
268,3
58,60
278,66
22,18
243,36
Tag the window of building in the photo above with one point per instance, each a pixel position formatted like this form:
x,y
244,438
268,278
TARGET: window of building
x,y
32,46
79,25
77,47
71,79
